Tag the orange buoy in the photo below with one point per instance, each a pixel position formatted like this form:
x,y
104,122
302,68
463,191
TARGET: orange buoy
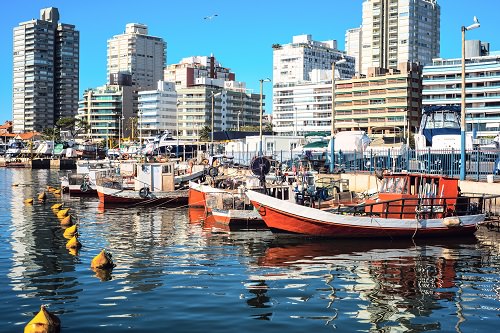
x,y
42,196
70,232
73,243
62,213
57,206
102,261
43,322
67,221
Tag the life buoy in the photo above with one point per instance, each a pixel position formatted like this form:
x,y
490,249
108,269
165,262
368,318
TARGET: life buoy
x,y
144,192
125,156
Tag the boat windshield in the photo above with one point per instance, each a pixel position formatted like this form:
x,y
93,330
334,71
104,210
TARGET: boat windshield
x,y
394,185
443,120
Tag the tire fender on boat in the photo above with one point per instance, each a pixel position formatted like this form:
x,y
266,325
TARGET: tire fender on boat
x,y
452,221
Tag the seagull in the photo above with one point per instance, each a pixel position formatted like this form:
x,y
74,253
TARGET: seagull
x,y
210,17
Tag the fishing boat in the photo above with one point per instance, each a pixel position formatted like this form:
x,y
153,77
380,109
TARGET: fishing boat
x,y
408,205
83,182
152,184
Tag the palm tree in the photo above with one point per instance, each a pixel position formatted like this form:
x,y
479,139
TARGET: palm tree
x,y
205,134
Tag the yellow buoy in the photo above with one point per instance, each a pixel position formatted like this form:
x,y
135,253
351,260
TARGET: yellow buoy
x,y
102,261
50,188
67,221
43,322
57,206
70,232
73,243
28,201
57,192
42,196
62,213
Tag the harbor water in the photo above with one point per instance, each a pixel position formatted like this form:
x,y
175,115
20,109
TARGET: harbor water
x,y
176,272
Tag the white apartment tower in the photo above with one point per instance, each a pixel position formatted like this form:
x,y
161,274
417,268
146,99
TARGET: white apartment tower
x,y
294,62
158,110
397,31
46,72
353,46
135,52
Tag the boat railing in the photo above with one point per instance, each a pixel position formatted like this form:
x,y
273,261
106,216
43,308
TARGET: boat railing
x,y
425,208
238,200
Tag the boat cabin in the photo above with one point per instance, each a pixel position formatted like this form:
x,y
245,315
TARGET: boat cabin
x,y
404,194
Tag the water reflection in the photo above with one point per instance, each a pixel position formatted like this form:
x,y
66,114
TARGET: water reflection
x,y
396,281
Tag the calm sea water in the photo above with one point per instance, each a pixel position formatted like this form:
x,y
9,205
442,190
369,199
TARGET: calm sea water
x,y
176,273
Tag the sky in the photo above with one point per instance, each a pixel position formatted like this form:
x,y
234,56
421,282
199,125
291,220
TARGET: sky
x,y
240,36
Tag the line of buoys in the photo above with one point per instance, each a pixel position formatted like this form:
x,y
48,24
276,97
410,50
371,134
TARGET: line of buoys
x,y
43,322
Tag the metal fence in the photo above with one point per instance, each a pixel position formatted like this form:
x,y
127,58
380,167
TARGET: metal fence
x,y
480,164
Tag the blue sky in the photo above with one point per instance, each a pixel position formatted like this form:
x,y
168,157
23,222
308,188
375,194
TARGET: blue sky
x,y
240,36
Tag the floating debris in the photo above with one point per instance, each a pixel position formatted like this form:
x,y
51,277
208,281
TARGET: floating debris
x,y
43,322
102,261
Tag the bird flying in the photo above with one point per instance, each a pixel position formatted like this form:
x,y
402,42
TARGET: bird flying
x,y
210,17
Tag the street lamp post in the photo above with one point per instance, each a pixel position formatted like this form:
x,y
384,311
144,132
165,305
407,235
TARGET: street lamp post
x,y
140,131
295,132
463,111
177,127
332,147
212,129
238,123
260,114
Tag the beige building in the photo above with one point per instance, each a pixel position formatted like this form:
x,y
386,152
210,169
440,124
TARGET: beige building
x,y
396,31
384,104
136,53
232,108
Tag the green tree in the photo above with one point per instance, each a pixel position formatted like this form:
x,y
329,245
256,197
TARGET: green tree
x,y
73,125
51,133
205,133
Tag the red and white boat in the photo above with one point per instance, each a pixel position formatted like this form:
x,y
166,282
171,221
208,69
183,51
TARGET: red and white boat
x,y
227,207
408,205
152,184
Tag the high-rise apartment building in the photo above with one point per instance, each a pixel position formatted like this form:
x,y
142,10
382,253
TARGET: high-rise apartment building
x,y
107,111
397,31
294,62
353,46
46,72
185,73
196,79
442,85
158,110
136,53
